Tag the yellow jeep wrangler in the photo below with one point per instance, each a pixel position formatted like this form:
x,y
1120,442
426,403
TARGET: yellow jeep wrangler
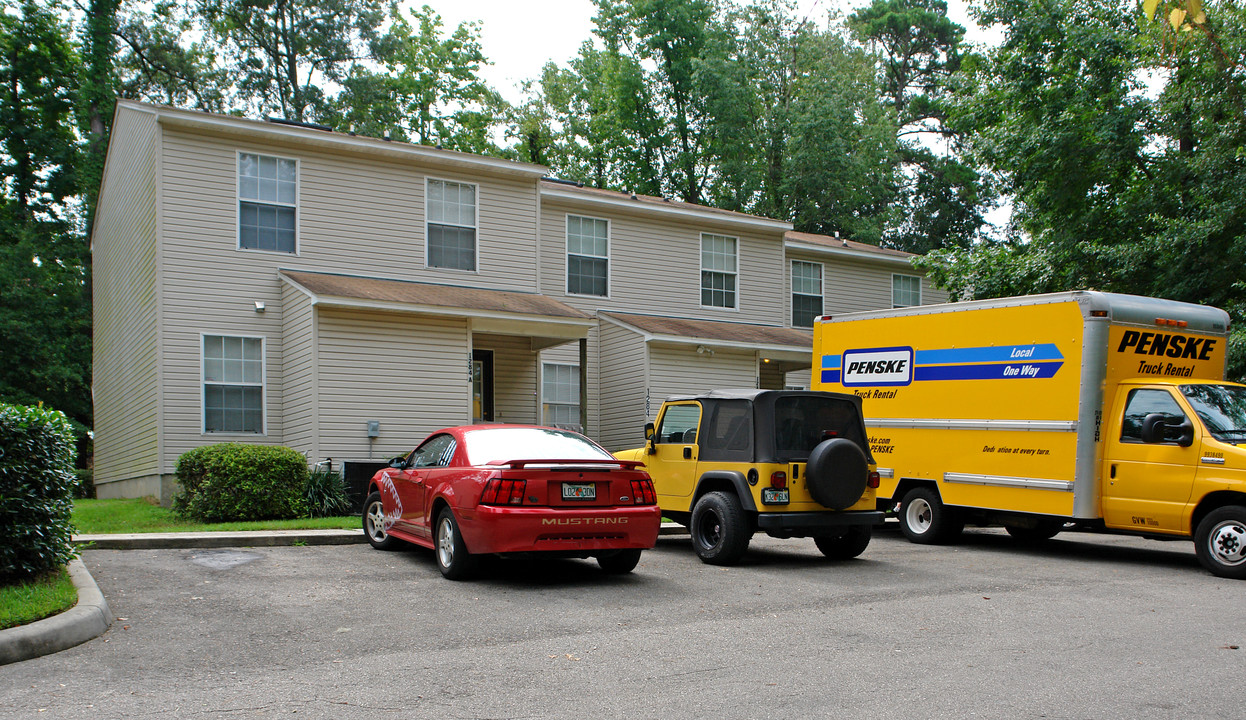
x,y
790,463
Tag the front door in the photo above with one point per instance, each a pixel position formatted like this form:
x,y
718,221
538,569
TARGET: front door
x,y
482,386
1147,485
675,455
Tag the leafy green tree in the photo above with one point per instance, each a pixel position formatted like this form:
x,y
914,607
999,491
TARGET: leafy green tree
x,y
163,57
283,52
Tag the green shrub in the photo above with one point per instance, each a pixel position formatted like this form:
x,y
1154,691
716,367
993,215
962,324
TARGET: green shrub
x,y
84,484
234,482
36,491
326,494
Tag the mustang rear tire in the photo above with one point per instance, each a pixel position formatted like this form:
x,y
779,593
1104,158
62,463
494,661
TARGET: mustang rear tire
x,y
374,524
619,563
925,520
1220,542
837,473
720,531
453,559
847,545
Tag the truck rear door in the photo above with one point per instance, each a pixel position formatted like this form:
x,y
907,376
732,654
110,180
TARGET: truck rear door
x,y
1147,485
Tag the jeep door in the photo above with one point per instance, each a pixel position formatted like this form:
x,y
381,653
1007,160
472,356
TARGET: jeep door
x,y
673,465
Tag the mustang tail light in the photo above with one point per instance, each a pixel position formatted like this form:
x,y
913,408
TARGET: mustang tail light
x,y
778,480
874,480
502,491
643,493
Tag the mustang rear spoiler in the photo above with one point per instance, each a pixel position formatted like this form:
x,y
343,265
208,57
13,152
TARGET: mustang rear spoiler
x,y
598,464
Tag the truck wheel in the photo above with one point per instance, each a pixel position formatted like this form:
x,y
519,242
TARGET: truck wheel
x,y
719,529
925,520
845,546
837,473
1220,542
1043,530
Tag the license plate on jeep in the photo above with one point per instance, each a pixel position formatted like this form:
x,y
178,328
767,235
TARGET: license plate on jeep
x,y
572,491
775,496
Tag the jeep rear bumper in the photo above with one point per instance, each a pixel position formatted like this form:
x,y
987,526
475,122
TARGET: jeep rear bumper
x,y
812,524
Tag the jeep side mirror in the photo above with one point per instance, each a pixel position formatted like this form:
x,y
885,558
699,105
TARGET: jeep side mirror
x,y
649,436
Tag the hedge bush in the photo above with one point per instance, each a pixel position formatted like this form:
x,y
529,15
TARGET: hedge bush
x,y
36,491
234,482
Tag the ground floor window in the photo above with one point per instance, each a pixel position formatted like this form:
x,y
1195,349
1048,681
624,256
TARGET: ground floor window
x,y
560,395
233,384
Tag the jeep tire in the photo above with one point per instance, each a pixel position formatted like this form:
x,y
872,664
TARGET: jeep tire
x,y
925,520
837,473
847,544
719,528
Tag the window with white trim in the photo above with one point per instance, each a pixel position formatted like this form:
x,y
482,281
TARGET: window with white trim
x,y
906,291
267,203
451,226
560,395
719,266
806,292
588,256
233,384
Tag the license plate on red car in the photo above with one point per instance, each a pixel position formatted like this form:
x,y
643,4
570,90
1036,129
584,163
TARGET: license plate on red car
x,y
577,491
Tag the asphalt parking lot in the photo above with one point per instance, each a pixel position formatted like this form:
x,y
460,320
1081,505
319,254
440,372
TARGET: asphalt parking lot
x,y
1085,627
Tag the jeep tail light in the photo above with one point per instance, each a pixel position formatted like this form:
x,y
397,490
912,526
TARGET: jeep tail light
x,y
643,493
874,480
778,480
501,491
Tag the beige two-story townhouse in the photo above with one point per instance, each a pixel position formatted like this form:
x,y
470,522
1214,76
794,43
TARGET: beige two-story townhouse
x,y
268,282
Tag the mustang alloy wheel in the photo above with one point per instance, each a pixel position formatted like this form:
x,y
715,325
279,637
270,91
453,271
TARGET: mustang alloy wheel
x,y
453,559
374,524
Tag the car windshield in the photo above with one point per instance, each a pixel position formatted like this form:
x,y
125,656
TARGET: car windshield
x,y
502,444
1222,408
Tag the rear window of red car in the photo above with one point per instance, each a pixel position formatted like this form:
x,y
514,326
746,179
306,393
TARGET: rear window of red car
x,y
503,444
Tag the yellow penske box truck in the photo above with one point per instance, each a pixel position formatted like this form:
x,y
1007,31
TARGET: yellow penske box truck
x,y
1079,410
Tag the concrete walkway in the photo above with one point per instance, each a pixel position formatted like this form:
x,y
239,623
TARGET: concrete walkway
x,y
91,618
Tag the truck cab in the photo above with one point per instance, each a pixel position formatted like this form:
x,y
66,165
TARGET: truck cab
x,y
729,463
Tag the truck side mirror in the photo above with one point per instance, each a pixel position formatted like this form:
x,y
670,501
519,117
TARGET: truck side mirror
x,y
1156,426
649,435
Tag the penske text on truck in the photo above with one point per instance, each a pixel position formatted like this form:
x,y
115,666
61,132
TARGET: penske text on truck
x,y
1080,410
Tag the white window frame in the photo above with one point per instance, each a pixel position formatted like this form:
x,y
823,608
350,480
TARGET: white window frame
x,y
792,287
575,367
475,227
567,254
733,273
239,199
918,278
263,385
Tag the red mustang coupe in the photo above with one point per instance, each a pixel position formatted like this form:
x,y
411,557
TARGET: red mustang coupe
x,y
503,489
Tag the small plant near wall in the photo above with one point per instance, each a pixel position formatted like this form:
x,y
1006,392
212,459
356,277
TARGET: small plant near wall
x,y
36,492
326,493
234,482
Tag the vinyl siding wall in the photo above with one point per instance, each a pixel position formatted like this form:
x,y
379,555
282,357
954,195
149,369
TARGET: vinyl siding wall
x,y
655,265
622,360
681,370
125,305
408,372
299,363
361,216
852,286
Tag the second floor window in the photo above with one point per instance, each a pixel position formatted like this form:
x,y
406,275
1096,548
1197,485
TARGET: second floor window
x,y
906,291
806,293
267,203
451,225
588,261
719,265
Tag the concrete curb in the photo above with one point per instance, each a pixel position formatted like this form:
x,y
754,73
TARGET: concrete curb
x,y
87,620
241,538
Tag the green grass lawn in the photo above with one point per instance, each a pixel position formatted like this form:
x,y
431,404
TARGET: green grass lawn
x,y
141,515
30,601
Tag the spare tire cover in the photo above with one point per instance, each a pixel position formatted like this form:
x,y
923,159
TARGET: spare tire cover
x,y
837,473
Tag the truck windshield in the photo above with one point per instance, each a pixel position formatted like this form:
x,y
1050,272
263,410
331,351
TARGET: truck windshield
x,y
1222,408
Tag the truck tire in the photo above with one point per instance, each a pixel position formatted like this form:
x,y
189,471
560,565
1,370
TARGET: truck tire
x,y
845,546
925,520
1220,542
720,531
837,473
